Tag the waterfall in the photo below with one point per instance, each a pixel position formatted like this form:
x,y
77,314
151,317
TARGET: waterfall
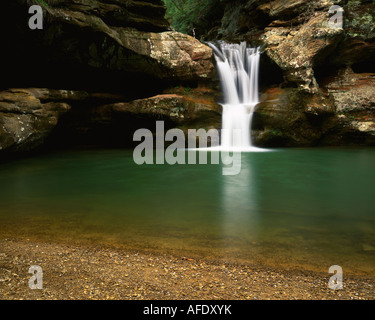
x,y
238,68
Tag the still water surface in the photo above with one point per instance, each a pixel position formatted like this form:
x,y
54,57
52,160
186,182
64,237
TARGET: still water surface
x,y
295,208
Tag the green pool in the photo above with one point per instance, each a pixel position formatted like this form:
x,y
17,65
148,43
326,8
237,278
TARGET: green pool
x,y
295,208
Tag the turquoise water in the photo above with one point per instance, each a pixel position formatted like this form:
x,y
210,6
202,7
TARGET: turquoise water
x,y
295,208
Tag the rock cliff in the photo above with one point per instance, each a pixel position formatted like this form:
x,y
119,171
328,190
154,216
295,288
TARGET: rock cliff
x,y
325,93
86,49
98,70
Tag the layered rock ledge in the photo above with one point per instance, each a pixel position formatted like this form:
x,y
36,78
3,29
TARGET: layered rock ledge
x,y
34,117
89,54
309,97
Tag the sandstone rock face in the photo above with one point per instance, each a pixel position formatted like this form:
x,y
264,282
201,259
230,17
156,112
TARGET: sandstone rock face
x,y
122,38
123,49
297,52
26,120
171,55
194,110
290,117
145,15
354,98
318,102
341,113
31,117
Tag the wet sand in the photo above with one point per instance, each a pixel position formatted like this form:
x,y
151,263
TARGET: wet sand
x,y
74,271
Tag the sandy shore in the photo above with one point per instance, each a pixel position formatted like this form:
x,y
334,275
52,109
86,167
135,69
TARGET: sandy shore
x,y
89,272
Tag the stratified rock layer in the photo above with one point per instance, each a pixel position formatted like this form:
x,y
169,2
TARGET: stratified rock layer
x,y
122,47
25,120
317,82
313,58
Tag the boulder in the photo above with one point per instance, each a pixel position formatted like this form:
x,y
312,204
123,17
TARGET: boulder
x,y
194,109
341,113
298,52
25,120
289,117
354,99
167,55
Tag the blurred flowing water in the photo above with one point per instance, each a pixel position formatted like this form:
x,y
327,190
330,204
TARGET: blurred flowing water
x,y
238,68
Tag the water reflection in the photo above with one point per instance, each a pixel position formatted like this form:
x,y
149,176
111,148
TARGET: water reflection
x,y
240,212
301,208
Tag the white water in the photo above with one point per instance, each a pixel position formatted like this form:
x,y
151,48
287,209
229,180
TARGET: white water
x,y
238,68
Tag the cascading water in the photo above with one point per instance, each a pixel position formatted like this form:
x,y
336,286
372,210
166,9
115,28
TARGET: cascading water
x,y
238,68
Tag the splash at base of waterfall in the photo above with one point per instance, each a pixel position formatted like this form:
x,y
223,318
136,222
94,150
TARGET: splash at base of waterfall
x,y
235,135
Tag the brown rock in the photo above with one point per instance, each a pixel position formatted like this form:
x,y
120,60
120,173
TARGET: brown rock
x,y
112,39
25,121
298,52
194,110
291,117
354,98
